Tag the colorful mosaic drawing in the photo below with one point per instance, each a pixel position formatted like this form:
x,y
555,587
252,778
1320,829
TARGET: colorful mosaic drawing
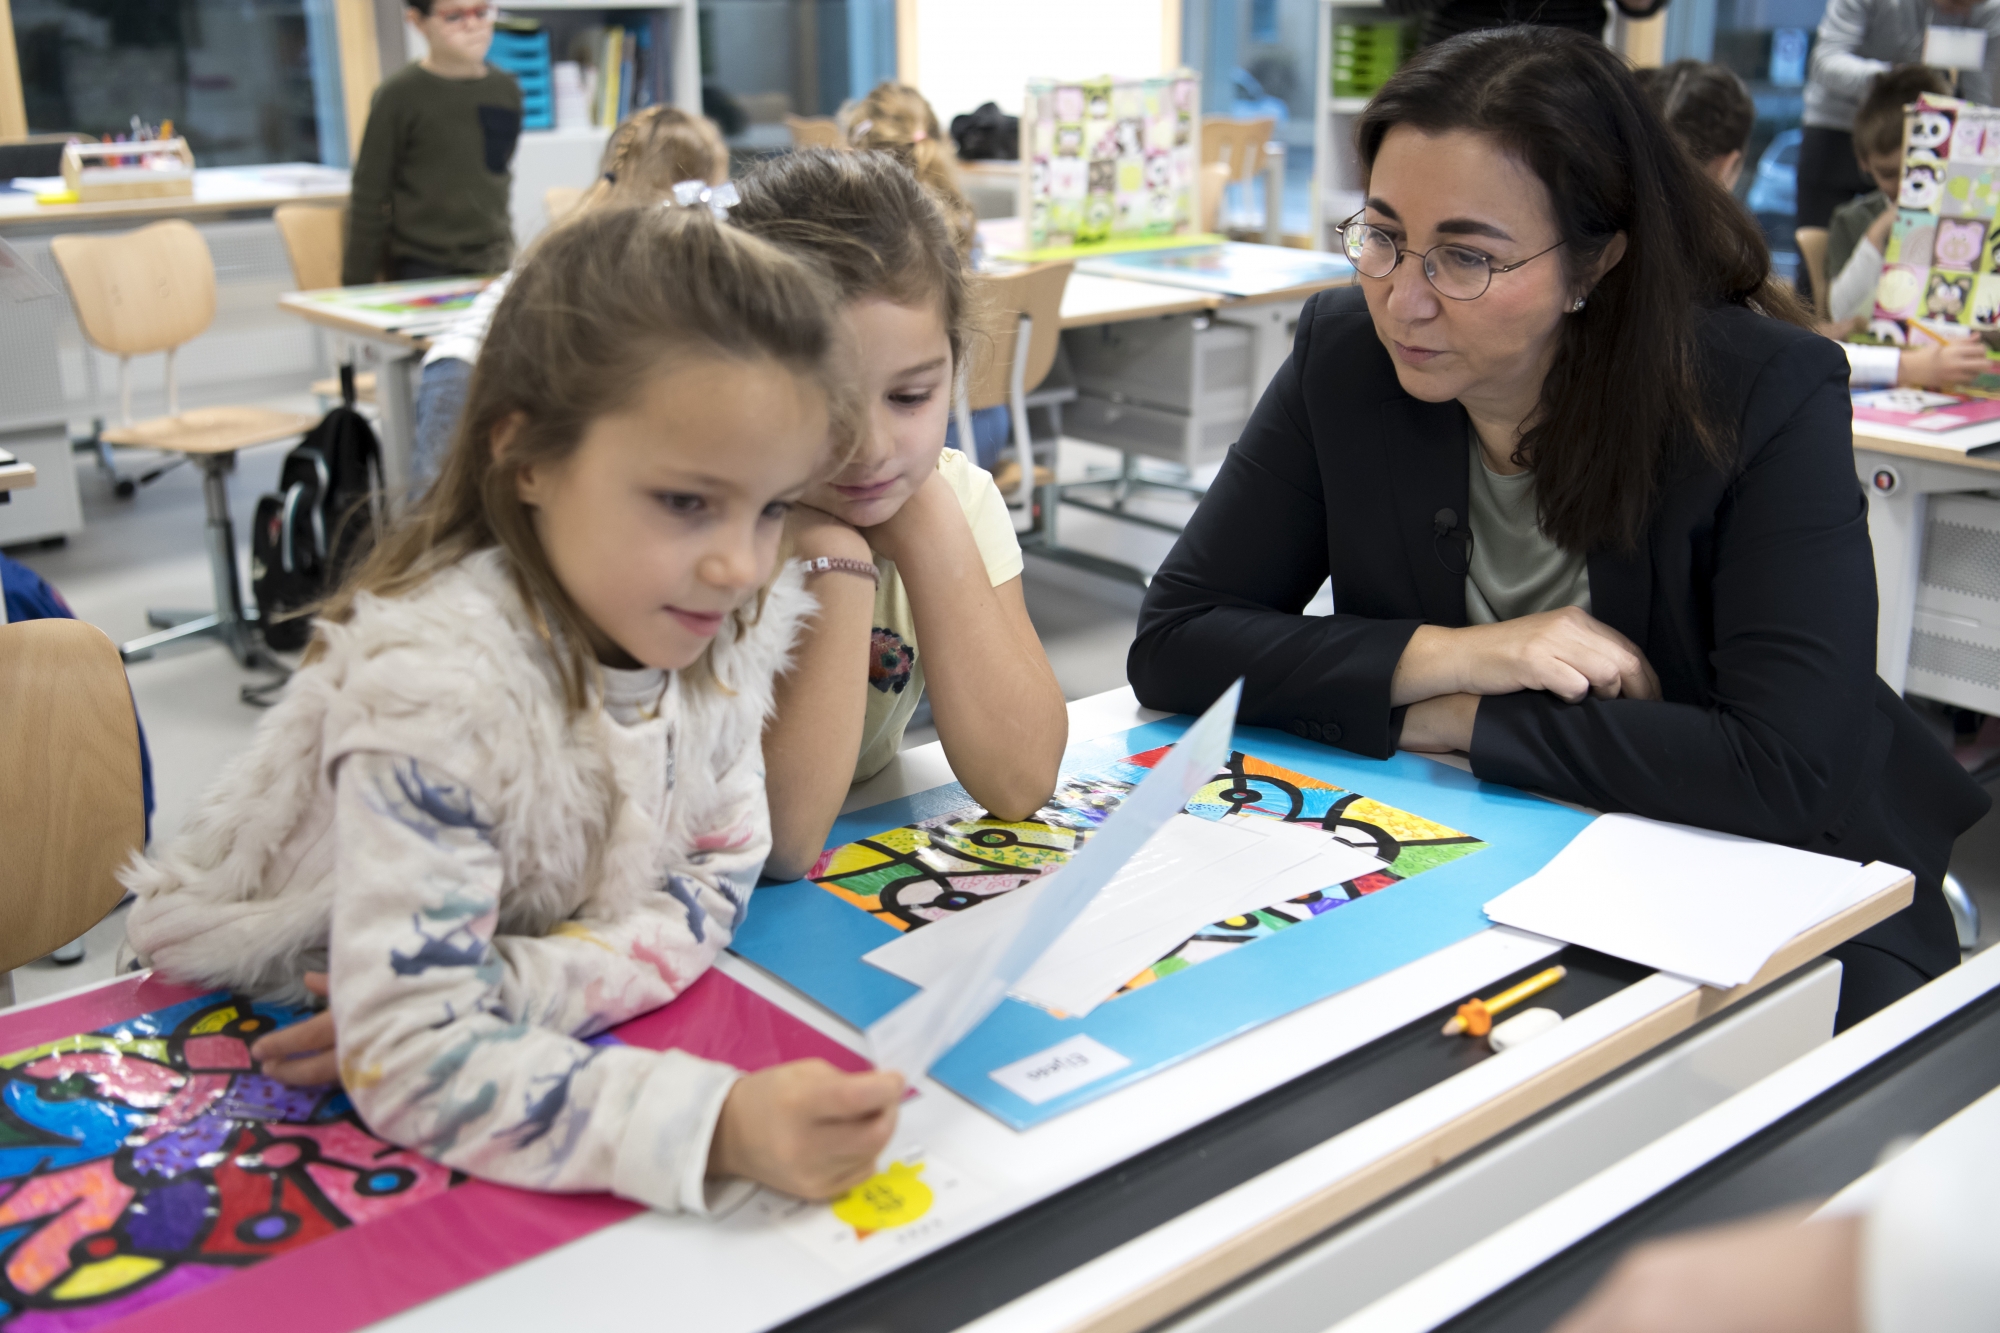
x,y
916,874
148,1158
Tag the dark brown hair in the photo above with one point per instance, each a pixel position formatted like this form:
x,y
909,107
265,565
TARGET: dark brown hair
x,y
864,220
1621,404
1878,124
595,309
1706,106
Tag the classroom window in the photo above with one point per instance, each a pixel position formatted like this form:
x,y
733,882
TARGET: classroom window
x,y
763,60
247,81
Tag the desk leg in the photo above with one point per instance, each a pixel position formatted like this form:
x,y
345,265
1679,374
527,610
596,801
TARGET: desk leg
x,y
396,395
1896,514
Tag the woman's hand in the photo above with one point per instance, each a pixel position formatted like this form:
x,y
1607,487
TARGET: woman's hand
x,y
1937,365
805,1128
1440,725
303,1054
1771,1275
1566,652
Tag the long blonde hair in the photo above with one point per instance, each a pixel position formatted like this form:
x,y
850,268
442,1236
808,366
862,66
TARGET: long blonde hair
x,y
894,118
651,152
591,313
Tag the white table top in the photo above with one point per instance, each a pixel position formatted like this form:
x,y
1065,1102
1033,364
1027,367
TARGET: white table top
x,y
746,1272
216,190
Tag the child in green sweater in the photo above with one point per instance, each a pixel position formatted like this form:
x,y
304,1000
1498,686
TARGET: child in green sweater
x,y
429,197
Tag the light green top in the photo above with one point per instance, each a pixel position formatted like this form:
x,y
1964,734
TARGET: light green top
x,y
1514,570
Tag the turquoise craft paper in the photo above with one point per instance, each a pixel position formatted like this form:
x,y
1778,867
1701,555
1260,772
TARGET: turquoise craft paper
x,y
813,940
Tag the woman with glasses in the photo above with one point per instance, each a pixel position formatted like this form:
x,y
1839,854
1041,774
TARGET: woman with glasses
x,y
1584,486
429,198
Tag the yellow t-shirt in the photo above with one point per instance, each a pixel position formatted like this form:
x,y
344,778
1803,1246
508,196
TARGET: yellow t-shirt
x,y
895,666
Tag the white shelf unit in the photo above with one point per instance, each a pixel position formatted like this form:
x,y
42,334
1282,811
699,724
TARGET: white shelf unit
x,y
569,156
1336,169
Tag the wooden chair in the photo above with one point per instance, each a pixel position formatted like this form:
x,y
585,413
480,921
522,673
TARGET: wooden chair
x,y
1017,329
559,201
315,238
1244,146
153,290
71,799
814,132
1812,252
1214,181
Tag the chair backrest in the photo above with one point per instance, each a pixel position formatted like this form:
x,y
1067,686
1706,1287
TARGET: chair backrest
x,y
814,132
1812,249
1238,143
559,201
140,291
71,799
315,237
998,302
1214,179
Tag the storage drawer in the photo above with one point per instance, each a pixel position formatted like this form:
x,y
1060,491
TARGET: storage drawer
x,y
1955,639
1183,363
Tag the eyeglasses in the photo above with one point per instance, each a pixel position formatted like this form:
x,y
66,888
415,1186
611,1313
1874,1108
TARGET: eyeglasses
x,y
461,17
1456,271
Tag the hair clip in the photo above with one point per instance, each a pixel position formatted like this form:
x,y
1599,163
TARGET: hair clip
x,y
860,128
610,178
918,136
719,198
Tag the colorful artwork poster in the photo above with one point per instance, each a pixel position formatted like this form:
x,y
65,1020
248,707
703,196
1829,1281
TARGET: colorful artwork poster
x,y
910,876
147,1159
1460,841
1110,159
1941,254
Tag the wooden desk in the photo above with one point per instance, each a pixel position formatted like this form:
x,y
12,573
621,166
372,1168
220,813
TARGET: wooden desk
x,y
218,192
1089,299
741,1274
14,475
1899,478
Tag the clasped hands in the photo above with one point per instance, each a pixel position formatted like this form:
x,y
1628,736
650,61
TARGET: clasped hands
x,y
1444,673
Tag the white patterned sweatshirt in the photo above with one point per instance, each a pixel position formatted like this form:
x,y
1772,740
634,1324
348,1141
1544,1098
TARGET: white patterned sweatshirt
x,y
493,880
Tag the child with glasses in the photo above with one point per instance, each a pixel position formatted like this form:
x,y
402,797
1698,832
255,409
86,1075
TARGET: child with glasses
x,y
429,196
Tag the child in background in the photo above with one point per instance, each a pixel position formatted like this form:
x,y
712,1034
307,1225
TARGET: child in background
x,y
910,548
646,156
1858,233
429,192
1708,109
516,795
896,119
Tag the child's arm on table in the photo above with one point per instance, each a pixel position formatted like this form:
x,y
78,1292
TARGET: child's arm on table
x,y
450,1040
998,708
822,700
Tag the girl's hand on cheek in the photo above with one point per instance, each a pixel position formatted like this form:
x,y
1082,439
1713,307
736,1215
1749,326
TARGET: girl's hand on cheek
x,y
814,532
806,1128
902,531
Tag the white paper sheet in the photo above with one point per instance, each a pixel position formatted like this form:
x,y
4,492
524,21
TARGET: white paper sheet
x,y
913,1035
1193,872
1704,905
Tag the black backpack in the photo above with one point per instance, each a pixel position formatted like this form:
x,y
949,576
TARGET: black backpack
x,y
987,135
306,537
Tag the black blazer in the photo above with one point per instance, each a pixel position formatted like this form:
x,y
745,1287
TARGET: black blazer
x,y
1752,594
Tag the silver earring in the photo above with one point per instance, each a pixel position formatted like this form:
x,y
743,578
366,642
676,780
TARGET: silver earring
x,y
1576,306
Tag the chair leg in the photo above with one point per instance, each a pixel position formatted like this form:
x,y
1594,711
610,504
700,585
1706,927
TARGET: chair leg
x,y
1964,912
227,622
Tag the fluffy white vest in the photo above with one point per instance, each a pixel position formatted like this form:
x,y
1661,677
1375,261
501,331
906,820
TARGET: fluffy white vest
x,y
455,675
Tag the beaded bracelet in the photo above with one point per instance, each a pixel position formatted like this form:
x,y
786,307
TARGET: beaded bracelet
x,y
830,563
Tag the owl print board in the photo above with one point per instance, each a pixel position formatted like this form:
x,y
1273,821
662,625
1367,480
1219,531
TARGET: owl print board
x,y
1939,272
1430,845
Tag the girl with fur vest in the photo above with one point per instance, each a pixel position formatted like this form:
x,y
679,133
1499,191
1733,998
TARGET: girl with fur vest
x,y
516,795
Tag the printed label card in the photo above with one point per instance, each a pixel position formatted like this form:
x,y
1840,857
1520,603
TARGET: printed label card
x,y
1986,301
1912,239
1947,295
1959,243
1923,184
